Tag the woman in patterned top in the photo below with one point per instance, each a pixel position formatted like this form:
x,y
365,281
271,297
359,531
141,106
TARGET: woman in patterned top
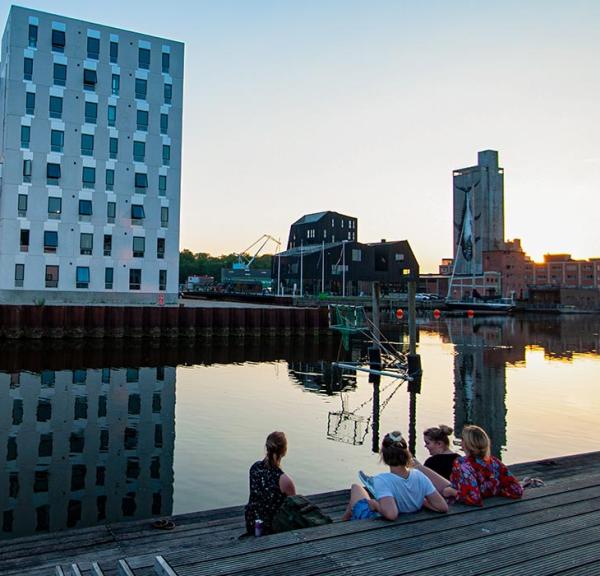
x,y
269,485
478,475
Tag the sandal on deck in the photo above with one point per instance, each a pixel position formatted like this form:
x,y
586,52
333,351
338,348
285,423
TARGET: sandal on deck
x,y
163,525
532,482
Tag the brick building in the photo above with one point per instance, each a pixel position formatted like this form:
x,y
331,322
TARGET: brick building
x,y
562,270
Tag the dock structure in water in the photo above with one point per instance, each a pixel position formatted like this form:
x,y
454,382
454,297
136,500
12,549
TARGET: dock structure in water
x,y
554,529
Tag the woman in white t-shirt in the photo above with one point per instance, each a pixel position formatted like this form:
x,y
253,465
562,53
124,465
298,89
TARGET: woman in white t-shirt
x,y
401,490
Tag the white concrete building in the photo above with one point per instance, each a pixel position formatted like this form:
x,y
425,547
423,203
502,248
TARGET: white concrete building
x,y
90,162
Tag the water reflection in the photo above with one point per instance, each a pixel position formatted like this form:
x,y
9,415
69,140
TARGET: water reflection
x,y
484,347
85,446
88,428
351,423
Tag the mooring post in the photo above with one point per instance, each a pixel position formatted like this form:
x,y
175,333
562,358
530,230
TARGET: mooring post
x,y
375,364
414,360
414,364
412,316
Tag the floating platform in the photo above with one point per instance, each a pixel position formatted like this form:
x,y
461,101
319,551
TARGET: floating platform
x,y
553,530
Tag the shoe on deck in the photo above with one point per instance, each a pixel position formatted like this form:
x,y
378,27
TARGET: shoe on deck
x,y
367,482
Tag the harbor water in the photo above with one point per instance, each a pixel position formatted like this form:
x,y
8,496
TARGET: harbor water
x,y
96,432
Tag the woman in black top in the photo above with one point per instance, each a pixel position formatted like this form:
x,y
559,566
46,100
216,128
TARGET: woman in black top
x,y
269,485
437,442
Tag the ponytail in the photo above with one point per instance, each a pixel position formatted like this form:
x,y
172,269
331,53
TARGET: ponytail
x,y
276,446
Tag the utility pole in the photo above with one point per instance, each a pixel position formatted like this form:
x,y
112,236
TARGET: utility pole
x,y
279,274
376,299
323,266
343,268
301,269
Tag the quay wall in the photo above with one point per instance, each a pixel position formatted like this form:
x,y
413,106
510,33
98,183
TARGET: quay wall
x,y
34,322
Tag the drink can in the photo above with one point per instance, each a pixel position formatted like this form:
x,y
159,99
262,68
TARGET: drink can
x,y
258,527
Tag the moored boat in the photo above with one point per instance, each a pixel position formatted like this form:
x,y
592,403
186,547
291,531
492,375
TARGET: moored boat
x,y
492,306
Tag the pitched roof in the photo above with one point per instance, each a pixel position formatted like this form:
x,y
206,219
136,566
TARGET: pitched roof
x,y
308,218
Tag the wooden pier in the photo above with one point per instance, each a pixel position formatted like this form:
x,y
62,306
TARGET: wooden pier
x,y
554,529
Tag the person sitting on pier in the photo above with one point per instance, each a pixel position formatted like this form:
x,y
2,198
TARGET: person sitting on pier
x,y
401,490
478,474
269,485
437,442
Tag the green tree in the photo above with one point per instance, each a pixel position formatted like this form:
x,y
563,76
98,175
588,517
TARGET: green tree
x,y
204,264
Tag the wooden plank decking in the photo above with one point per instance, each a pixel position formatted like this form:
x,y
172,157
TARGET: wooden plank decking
x,y
553,530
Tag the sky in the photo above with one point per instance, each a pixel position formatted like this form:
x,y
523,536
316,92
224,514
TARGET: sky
x,y
365,108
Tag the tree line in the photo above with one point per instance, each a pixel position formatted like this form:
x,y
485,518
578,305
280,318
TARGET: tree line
x,y
203,264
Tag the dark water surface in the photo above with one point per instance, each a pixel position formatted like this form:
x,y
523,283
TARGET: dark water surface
x,y
97,432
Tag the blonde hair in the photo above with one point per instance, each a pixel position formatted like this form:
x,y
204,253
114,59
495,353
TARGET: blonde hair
x,y
476,441
440,433
276,446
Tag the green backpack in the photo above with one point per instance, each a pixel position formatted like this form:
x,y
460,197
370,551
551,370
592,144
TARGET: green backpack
x,y
298,512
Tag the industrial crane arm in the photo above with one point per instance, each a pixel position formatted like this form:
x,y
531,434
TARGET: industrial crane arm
x,y
243,261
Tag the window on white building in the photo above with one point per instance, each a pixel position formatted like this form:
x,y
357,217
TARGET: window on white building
x,y
144,58
54,207
51,276
135,278
82,277
139,246
93,48
86,243
58,40
50,241
19,275
22,205
59,75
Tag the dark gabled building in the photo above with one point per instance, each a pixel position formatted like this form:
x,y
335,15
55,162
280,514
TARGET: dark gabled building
x,y
324,266
320,227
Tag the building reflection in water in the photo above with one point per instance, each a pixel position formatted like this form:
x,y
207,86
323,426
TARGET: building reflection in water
x,y
485,346
81,447
480,378
85,446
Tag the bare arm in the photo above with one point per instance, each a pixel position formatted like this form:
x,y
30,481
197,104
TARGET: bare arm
x,y
386,506
286,485
435,502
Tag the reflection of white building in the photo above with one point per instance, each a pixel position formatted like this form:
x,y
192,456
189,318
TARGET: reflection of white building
x,y
85,446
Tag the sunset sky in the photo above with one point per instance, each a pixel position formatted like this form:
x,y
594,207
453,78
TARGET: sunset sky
x,y
366,108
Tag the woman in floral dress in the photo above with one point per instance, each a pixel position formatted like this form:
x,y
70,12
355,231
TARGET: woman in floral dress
x,y
478,474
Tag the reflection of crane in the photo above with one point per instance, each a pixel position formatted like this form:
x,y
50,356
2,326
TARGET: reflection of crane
x,y
243,260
